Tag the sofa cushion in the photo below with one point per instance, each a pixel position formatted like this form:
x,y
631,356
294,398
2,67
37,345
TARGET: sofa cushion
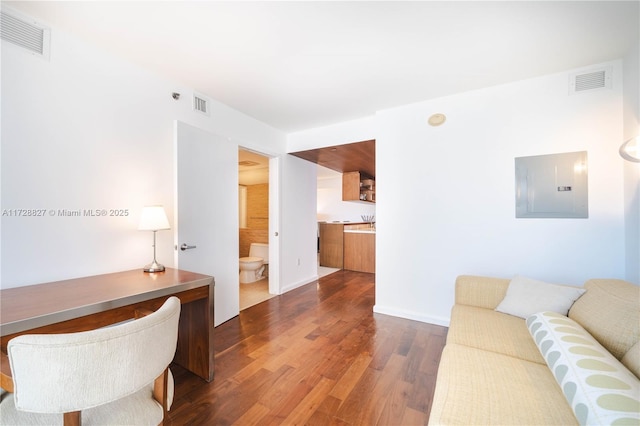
x,y
483,292
631,359
486,329
610,312
599,389
526,296
476,387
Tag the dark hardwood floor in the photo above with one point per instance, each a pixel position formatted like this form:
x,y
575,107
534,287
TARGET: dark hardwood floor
x,y
317,355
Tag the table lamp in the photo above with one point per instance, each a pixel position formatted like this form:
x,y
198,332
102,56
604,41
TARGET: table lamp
x,y
153,218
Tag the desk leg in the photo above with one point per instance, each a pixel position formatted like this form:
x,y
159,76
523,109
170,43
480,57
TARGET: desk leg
x,y
195,338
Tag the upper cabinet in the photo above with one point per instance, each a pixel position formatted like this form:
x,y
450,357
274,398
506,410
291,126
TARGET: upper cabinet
x,y
357,186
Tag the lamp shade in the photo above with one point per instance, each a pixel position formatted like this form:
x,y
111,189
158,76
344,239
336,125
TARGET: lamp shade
x,y
153,218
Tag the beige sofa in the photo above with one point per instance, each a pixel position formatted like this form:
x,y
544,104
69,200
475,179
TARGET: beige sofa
x,y
493,372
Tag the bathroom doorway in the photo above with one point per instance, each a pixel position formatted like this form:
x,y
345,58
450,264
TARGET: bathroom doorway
x,y
253,201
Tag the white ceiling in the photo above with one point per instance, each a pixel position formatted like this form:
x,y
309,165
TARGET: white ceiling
x,y
298,65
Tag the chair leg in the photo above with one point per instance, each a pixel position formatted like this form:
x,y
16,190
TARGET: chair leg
x,y
160,392
72,419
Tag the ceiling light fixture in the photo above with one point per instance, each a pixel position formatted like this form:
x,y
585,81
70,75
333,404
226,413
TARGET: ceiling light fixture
x,y
437,119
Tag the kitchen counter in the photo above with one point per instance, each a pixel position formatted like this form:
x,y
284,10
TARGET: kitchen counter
x,y
348,245
361,231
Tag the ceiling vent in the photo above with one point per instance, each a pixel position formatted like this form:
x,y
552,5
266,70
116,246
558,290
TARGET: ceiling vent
x,y
25,33
201,104
589,81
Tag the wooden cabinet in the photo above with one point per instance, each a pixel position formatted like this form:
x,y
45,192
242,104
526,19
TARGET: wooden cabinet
x,y
360,251
331,244
358,187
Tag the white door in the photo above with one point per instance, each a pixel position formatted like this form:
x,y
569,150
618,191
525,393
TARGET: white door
x,y
206,236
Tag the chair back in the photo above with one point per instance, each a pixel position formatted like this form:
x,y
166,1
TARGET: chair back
x,y
58,373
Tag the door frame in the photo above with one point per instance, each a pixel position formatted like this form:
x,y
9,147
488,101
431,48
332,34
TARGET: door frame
x,y
274,225
274,217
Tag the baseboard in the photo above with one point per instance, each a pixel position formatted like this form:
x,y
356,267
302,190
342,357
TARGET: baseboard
x,y
298,284
412,315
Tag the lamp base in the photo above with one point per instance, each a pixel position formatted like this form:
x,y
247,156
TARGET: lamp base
x,y
154,267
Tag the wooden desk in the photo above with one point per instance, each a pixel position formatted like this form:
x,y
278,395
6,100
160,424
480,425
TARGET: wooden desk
x,y
88,303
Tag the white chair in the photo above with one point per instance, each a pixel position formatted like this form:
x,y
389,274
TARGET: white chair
x,y
117,375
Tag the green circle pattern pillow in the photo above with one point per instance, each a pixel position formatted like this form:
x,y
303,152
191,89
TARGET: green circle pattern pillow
x,y
599,389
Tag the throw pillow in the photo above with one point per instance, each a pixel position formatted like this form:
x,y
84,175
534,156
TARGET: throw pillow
x,y
599,389
526,296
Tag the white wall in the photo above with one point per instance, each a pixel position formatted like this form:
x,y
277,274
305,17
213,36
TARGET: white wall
x,y
298,247
86,130
445,201
632,170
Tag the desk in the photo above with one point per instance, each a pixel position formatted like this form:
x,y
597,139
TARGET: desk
x,y
91,302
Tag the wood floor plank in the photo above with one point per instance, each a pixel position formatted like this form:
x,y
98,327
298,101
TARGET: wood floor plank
x,y
253,416
310,403
379,395
396,404
326,412
349,380
316,355
412,417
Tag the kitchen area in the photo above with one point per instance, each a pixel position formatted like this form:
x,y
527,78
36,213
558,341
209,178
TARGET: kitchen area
x,y
347,245
346,205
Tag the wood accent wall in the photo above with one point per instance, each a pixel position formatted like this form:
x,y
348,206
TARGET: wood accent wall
x,y
258,206
257,230
248,236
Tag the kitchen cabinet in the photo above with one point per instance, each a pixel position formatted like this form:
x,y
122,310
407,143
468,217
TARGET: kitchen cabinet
x,y
357,186
360,251
331,244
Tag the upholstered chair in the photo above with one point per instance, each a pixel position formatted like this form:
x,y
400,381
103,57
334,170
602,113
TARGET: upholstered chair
x,y
116,375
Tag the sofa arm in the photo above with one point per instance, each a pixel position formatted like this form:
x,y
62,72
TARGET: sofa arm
x,y
483,292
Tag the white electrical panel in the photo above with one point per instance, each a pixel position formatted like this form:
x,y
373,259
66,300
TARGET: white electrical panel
x,y
552,186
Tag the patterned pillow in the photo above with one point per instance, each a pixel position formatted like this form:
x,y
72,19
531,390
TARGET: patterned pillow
x,y
599,389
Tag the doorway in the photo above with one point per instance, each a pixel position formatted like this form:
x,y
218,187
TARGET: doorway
x,y
254,219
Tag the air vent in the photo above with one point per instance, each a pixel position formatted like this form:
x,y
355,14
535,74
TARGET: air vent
x,y
25,33
589,81
201,104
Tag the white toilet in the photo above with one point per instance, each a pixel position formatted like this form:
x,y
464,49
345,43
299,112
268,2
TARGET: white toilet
x,y
252,267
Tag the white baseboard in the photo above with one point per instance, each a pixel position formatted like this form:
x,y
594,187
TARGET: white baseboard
x,y
298,284
412,315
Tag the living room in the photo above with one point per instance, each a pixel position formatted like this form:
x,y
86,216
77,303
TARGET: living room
x,y
118,153
91,127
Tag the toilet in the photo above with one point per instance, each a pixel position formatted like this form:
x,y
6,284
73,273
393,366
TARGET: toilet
x,y
252,267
